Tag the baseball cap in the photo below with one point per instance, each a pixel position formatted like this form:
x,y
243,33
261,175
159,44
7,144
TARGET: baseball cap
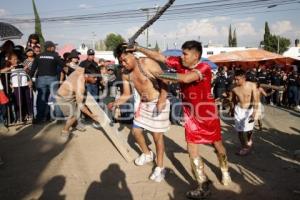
x,y
49,44
74,54
90,52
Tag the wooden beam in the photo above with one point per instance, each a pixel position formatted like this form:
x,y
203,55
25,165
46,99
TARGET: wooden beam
x,y
110,128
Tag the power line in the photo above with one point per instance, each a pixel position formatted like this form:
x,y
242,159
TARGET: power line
x,y
184,10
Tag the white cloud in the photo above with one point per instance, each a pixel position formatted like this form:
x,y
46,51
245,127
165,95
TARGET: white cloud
x,y
202,28
3,12
84,6
244,29
219,19
281,27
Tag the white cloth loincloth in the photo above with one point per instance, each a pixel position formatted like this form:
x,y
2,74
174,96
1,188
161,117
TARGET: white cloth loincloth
x,y
241,119
260,112
147,118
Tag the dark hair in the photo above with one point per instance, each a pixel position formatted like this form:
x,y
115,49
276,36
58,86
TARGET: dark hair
x,y
121,48
239,72
9,57
7,46
19,50
32,36
66,56
90,69
193,44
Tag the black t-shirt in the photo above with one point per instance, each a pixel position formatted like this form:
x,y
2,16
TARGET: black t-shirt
x,y
47,64
263,78
292,80
251,76
221,81
275,80
86,63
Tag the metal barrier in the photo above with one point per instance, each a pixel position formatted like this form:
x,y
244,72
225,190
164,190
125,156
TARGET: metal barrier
x,y
9,109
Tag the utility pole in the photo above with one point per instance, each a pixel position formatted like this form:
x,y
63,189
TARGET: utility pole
x,y
165,42
93,40
147,10
147,30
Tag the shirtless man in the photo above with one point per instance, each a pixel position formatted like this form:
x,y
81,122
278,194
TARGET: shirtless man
x,y
202,124
153,110
70,97
245,100
260,109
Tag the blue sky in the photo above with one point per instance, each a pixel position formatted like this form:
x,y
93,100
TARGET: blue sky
x,y
206,25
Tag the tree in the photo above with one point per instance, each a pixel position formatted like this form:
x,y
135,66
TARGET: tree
x,y
283,43
274,43
230,37
156,48
38,26
296,42
267,32
112,41
234,39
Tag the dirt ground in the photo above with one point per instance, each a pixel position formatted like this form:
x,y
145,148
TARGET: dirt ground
x,y
39,165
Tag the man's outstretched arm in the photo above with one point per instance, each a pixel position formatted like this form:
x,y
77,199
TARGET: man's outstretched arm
x,y
151,54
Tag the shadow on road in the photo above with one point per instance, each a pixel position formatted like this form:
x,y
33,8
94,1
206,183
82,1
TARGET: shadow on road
x,y
112,185
27,153
269,172
53,188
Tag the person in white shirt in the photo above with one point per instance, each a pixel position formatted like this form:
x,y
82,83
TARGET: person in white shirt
x,y
21,85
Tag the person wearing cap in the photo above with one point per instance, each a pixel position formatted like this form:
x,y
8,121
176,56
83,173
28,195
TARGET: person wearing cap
x,y
46,65
71,63
111,84
92,88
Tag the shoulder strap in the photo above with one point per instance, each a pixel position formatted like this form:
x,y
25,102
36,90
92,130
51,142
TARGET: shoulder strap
x,y
143,71
153,80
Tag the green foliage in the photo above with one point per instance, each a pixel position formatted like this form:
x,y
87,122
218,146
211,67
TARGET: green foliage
x,y
230,37
274,43
234,39
38,26
156,48
112,41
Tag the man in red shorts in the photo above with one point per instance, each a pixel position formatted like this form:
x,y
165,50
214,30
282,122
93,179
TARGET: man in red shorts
x,y
202,124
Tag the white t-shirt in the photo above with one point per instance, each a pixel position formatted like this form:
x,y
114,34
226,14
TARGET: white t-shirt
x,y
1,86
19,77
